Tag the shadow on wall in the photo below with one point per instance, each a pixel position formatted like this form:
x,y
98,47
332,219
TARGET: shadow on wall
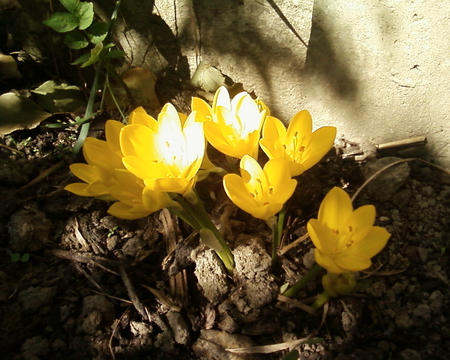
x,y
234,30
326,59
156,45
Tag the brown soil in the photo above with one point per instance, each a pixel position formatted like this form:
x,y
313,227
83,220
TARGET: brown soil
x,y
95,285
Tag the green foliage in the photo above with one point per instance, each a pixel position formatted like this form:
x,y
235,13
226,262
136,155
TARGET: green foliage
x,y
70,5
81,15
76,41
83,31
16,257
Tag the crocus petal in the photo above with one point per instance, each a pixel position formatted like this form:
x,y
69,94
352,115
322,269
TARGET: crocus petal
x,y
335,209
247,112
373,243
222,98
123,211
327,262
296,168
274,136
360,222
136,140
253,174
238,193
202,108
278,173
77,189
301,124
98,153
321,236
96,188
140,116
155,200
145,169
176,185
85,172
320,143
112,133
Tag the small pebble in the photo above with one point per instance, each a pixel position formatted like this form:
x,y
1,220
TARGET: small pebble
x,y
410,354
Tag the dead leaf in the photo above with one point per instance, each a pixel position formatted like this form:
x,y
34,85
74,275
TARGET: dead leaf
x,y
8,68
18,112
56,97
141,83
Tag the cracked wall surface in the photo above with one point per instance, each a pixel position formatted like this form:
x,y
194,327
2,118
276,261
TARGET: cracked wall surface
x,y
378,70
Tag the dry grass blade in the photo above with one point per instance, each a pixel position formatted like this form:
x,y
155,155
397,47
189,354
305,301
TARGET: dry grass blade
x,y
43,175
85,258
11,149
384,273
178,283
114,330
297,304
294,243
163,298
132,294
267,349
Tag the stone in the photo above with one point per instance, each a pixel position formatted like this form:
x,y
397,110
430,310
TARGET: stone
x,y
36,346
179,327
34,298
29,230
211,275
410,354
387,182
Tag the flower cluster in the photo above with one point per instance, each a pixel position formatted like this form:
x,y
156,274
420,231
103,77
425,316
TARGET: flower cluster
x,y
234,127
150,164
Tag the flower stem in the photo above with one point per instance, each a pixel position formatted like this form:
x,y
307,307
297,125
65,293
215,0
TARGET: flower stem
x,y
277,231
322,299
316,269
197,212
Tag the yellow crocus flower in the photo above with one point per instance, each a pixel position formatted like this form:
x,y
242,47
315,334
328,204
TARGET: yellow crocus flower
x,y
232,126
102,158
260,192
298,144
168,156
345,239
134,199
105,177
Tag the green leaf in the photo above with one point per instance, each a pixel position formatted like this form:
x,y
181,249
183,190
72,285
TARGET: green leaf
x,y
83,58
97,32
15,257
70,5
25,257
114,54
94,56
61,22
75,40
84,13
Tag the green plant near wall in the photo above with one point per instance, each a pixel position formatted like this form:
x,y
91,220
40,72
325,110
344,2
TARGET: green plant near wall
x,y
83,31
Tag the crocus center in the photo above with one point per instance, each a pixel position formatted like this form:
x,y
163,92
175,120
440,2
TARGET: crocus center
x,y
260,192
296,148
342,239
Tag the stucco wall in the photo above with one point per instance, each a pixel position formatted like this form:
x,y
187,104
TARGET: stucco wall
x,y
379,70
